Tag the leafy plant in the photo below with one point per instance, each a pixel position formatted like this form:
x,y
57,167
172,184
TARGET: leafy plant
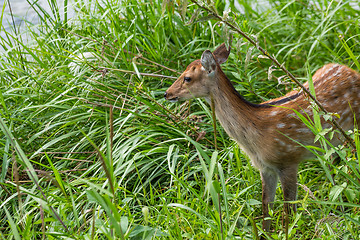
x,y
91,150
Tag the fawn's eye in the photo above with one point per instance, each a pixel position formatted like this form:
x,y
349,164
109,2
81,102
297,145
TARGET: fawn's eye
x,y
187,79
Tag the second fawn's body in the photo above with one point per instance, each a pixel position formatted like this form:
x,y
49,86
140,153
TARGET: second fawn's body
x,y
266,131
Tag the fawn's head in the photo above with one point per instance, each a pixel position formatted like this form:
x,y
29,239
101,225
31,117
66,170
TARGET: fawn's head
x,y
198,78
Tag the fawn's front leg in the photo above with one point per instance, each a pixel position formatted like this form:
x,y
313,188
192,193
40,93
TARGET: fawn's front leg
x,y
269,179
288,181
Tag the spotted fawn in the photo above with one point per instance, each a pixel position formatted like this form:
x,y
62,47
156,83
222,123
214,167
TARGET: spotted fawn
x,y
270,132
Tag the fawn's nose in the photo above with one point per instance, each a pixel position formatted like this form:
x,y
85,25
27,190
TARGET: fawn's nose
x,y
165,94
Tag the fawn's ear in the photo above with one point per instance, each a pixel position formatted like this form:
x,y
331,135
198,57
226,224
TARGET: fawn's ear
x,y
208,61
221,54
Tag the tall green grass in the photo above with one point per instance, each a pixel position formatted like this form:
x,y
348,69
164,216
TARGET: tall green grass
x,y
91,150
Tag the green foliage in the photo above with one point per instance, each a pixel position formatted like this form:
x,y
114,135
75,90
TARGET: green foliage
x,y
91,150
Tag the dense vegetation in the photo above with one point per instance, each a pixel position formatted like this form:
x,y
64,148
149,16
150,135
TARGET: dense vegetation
x,y
91,150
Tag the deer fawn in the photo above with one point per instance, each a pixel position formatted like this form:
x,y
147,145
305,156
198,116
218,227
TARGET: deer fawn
x,y
266,132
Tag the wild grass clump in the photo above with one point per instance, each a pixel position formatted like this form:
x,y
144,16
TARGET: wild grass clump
x,y
91,150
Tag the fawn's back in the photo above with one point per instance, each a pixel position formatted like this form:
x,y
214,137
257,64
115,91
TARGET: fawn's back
x,y
337,88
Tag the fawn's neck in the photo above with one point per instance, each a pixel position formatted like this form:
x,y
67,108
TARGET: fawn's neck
x,y
239,118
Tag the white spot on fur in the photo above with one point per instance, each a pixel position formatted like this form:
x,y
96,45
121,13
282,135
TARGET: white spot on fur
x,y
342,83
346,112
281,125
330,69
290,148
291,115
338,71
337,101
279,142
273,113
303,130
